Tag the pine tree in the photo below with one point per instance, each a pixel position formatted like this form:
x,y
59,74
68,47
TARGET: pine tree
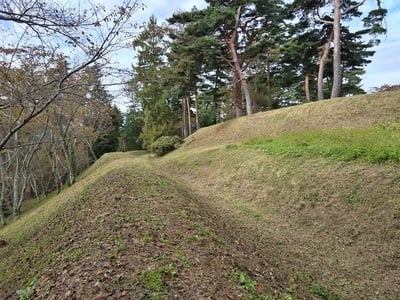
x,y
244,30
350,50
192,60
148,83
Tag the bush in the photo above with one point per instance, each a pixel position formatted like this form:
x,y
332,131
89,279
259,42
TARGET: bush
x,y
165,144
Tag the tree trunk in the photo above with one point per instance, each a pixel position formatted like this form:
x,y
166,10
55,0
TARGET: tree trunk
x,y
322,62
18,182
243,81
232,43
69,156
307,87
71,163
237,94
17,187
249,106
189,115
91,151
53,158
196,103
2,191
215,97
337,60
2,217
21,194
184,120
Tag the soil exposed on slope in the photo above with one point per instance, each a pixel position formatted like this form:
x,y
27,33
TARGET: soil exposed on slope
x,y
134,234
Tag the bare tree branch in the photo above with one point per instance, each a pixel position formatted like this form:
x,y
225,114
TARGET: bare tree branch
x,y
96,34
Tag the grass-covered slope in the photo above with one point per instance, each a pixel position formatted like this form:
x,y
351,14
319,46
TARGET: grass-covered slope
x,y
350,112
318,186
297,203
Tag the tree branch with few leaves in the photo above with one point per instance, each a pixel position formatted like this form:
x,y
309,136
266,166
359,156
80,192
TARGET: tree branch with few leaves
x,y
91,30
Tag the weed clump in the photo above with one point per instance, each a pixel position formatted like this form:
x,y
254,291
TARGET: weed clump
x,y
154,282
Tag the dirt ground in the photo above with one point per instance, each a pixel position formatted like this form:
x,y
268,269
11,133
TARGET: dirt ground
x,y
135,235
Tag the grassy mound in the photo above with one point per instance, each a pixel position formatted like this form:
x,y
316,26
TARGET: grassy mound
x,y
297,203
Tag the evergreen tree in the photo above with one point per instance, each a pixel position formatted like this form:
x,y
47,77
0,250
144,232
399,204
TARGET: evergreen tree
x,y
192,58
350,50
245,31
148,84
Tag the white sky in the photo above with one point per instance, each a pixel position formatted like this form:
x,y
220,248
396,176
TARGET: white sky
x,y
384,68
385,65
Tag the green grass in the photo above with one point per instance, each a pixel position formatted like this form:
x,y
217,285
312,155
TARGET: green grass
x,y
376,144
302,183
154,281
250,212
27,293
246,284
324,293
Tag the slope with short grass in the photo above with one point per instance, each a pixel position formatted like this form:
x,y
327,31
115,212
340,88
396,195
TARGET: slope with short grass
x,y
317,187
297,203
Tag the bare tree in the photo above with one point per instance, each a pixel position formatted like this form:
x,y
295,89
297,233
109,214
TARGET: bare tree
x,y
46,49
3,186
89,34
15,165
22,161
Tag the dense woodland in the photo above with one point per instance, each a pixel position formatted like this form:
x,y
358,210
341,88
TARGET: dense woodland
x,y
198,68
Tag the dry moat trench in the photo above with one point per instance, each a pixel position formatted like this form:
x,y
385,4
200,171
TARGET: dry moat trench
x,y
145,231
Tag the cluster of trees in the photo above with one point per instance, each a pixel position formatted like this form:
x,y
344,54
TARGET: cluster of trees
x,y
237,57
52,148
56,116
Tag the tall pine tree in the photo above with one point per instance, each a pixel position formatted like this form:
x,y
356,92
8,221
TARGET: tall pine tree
x,y
148,83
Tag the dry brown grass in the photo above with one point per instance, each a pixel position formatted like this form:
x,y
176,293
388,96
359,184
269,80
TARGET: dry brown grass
x,y
357,111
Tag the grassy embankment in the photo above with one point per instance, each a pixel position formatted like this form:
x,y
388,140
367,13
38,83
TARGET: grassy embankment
x,y
302,202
